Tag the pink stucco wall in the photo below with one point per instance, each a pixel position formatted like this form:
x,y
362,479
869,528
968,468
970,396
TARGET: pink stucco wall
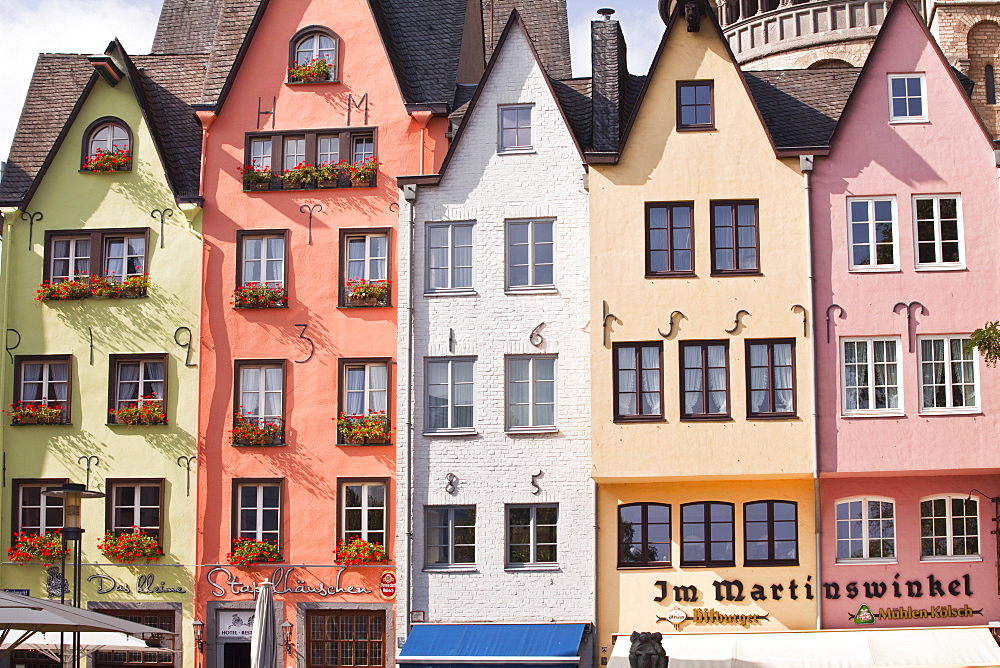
x,y
311,463
871,157
978,577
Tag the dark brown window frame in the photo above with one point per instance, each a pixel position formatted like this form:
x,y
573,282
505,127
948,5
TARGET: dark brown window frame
x,y
669,206
109,506
645,532
237,370
97,238
346,135
282,503
705,417
302,34
16,485
343,363
770,415
20,360
343,301
638,417
242,234
696,127
770,561
116,359
708,561
736,247
85,147
364,612
389,493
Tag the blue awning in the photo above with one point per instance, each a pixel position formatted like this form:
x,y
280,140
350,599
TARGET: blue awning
x,y
452,645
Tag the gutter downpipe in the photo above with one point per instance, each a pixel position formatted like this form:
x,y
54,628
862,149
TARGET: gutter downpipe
x,y
806,165
7,240
410,196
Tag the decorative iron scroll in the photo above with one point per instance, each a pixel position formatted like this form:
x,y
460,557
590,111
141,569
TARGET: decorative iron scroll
x,y
185,463
312,346
670,332
805,318
363,100
738,321
604,321
394,207
310,209
842,314
911,323
534,482
90,459
32,218
165,213
185,344
10,348
535,338
452,485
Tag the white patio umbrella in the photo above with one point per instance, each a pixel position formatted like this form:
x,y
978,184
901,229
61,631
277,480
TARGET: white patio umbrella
x,y
51,644
262,640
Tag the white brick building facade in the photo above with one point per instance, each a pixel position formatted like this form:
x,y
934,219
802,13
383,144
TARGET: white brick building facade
x,y
491,467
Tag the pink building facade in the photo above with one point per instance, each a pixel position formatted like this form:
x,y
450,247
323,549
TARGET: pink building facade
x,y
904,240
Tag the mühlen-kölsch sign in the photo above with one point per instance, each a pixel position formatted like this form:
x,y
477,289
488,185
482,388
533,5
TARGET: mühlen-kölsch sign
x,y
284,583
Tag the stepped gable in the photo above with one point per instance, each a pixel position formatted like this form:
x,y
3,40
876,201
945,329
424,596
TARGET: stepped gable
x,y
801,108
56,85
186,26
547,23
170,84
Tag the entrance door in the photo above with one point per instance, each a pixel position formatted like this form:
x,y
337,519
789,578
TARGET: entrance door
x,y
236,655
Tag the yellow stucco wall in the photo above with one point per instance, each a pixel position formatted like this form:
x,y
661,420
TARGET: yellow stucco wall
x,y
734,161
625,596
72,200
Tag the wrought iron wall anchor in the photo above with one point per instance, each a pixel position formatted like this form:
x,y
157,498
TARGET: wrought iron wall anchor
x,y
805,318
452,485
10,348
737,321
842,314
165,213
185,462
673,325
394,207
604,321
311,209
32,218
302,335
451,340
911,323
534,482
185,344
90,459
90,331
535,338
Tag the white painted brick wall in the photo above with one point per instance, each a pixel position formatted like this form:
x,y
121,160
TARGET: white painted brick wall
x,y
495,468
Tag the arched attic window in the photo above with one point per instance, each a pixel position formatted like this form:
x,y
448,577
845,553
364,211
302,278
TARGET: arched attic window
x,y
107,146
313,56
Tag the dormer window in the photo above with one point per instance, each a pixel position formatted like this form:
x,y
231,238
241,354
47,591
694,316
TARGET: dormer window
x,y
907,98
313,52
107,146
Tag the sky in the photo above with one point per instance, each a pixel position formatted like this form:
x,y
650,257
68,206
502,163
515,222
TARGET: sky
x,y
31,27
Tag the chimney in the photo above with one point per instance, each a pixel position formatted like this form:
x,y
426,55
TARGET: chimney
x,y
610,75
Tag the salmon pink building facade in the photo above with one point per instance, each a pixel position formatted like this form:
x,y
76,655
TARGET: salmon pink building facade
x,y
904,241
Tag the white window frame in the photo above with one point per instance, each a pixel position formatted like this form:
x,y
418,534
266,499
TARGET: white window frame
x,y
502,148
949,379
368,391
292,157
533,529
532,285
450,429
939,265
113,141
865,520
449,547
262,393
264,259
949,517
143,381
45,503
261,152
304,55
258,508
137,506
47,384
534,425
72,259
364,507
923,97
368,258
871,412
362,147
451,288
872,246
125,257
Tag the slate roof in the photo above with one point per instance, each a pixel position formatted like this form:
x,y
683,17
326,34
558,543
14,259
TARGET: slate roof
x,y
574,98
55,87
547,23
186,26
235,18
801,108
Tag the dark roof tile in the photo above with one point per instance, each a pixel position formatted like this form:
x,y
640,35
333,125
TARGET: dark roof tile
x,y
574,98
186,26
547,24
235,19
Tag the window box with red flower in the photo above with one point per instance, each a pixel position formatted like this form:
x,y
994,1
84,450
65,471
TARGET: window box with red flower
x,y
256,178
126,548
303,175
46,548
362,292
248,552
316,70
104,161
370,428
248,430
359,552
25,412
147,411
362,173
260,295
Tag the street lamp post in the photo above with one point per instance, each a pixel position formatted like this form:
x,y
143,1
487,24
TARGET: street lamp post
x,y
72,493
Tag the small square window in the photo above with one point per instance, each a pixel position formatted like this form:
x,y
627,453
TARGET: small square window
x,y
873,234
669,239
644,534
638,381
770,533
365,266
531,535
871,377
261,272
707,534
735,242
138,381
42,381
948,379
907,98
949,527
938,235
450,536
771,378
704,380
135,504
866,529
515,129
695,108
35,513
